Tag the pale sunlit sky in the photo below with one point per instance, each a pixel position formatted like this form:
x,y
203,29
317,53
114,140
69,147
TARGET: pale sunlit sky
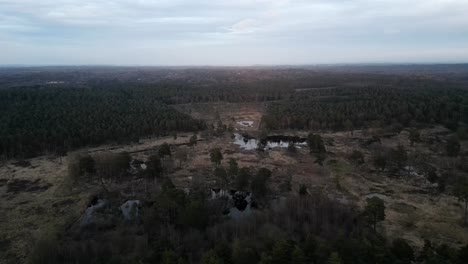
x,y
238,32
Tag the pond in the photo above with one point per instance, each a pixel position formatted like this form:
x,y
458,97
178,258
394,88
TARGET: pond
x,y
246,123
130,210
96,211
240,204
270,142
95,205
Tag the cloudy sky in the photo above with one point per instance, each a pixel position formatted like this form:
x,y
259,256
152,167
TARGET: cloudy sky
x,y
234,32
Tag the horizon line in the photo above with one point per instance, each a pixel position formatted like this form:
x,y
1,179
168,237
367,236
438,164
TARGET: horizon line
x,y
24,65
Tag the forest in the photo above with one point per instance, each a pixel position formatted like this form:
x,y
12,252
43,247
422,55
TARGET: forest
x,y
234,165
103,105
34,120
354,108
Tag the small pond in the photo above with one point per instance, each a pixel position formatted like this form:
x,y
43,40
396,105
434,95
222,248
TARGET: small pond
x,y
270,142
130,210
240,203
95,205
246,123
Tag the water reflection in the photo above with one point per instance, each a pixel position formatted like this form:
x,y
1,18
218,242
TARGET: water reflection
x,y
240,203
279,141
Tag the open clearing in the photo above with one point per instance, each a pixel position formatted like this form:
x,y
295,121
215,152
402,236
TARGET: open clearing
x,y
229,113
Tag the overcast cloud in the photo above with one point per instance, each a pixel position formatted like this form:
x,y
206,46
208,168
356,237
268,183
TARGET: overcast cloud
x,y
237,32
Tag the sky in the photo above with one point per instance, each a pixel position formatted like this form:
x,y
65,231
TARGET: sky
x,y
237,32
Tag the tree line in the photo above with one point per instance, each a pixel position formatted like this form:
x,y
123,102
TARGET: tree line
x,y
355,108
35,120
117,108
179,227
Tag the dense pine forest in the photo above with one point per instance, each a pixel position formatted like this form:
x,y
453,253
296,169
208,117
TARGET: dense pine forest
x,y
38,119
39,112
355,108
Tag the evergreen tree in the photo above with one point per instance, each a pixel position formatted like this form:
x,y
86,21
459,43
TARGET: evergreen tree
x,y
315,143
302,190
211,258
233,167
221,177
216,156
281,253
259,184
298,256
242,253
462,256
193,140
380,162
164,150
414,136
242,179
402,251
375,211
461,191
357,157
453,146
398,157
169,257
334,258
154,167
181,155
